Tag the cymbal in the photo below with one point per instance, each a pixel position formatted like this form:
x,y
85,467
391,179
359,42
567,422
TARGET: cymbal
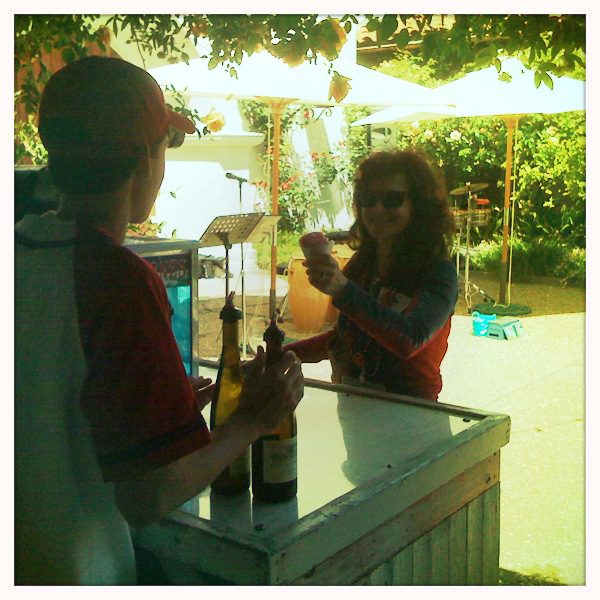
x,y
469,187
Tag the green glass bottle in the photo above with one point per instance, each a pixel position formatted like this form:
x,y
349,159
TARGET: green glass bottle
x,y
236,477
274,456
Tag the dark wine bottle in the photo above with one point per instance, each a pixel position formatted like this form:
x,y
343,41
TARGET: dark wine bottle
x,y
274,456
236,477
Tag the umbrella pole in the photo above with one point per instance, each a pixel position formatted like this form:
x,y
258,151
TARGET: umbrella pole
x,y
277,109
510,124
274,204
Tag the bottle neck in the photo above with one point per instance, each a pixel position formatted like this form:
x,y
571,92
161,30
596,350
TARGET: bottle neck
x,y
274,352
231,339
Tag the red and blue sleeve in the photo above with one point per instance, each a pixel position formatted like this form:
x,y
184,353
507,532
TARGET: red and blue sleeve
x,y
404,333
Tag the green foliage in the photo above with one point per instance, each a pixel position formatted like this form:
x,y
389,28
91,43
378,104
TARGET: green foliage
x,y
287,246
356,137
28,146
37,34
450,43
466,150
572,269
547,258
298,191
551,188
333,166
447,43
414,69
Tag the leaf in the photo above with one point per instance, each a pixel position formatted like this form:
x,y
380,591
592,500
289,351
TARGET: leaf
x,y
339,87
402,38
213,62
372,24
388,26
545,77
537,79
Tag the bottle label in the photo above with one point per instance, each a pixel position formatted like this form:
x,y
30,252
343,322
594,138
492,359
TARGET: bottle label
x,y
280,460
241,465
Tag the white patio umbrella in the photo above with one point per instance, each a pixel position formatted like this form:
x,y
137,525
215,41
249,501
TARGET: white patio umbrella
x,y
482,93
262,76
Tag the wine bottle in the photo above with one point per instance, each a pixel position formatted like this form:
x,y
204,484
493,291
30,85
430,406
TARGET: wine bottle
x,y
274,456
236,477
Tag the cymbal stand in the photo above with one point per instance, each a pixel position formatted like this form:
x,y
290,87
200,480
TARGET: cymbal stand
x,y
467,255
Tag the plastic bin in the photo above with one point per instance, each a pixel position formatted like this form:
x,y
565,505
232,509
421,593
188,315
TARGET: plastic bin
x,y
481,323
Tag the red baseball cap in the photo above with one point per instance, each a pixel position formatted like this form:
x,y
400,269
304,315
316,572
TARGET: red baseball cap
x,y
101,106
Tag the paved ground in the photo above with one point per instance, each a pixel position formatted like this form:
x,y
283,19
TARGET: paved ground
x,y
538,380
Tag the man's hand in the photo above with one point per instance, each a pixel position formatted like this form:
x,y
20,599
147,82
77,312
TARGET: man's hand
x,y
324,274
204,390
270,395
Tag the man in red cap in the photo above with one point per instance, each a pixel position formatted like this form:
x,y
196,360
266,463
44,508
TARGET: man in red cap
x,y
108,429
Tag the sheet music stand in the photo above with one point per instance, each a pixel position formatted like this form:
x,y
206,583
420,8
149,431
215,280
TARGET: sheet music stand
x,y
237,229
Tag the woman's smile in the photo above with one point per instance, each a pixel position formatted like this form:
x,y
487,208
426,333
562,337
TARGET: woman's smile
x,y
382,222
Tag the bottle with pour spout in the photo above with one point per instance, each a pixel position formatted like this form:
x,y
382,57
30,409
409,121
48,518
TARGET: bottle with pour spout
x,y
274,456
235,478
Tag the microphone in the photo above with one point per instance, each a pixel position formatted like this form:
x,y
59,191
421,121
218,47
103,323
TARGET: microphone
x,y
236,177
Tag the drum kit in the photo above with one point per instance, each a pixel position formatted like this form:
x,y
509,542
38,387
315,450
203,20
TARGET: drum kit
x,y
465,219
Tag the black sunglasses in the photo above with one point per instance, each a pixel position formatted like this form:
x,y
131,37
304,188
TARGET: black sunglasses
x,y
390,199
175,137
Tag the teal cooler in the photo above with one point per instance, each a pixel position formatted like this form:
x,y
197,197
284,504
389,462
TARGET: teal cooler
x,y
481,323
176,261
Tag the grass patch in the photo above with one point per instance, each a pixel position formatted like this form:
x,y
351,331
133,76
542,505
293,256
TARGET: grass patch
x,y
514,578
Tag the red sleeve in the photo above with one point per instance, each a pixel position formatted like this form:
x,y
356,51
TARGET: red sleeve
x,y
311,350
137,397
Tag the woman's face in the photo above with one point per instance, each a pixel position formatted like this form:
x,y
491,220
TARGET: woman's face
x,y
382,221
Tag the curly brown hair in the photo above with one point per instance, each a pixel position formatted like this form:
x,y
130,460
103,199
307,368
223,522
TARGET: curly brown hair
x,y
428,235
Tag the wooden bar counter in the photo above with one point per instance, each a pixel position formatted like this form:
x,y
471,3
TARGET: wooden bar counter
x,y
392,490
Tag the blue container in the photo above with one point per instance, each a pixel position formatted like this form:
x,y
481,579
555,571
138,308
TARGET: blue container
x,y
481,323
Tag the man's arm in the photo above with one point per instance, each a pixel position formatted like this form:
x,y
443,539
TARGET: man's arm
x,y
268,397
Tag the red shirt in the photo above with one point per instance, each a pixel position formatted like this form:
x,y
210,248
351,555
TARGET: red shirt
x,y
136,394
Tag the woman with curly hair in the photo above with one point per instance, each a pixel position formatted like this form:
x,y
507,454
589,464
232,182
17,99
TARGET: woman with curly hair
x,y
397,294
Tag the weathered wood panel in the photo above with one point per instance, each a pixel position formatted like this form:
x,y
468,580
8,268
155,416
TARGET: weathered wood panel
x,y
382,575
451,553
349,565
475,542
457,548
491,535
440,553
402,567
422,560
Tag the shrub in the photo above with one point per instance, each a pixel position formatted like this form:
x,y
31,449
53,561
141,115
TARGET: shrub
x,y
546,258
571,270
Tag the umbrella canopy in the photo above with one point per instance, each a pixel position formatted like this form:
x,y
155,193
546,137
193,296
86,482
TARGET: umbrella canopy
x,y
482,93
262,76
397,114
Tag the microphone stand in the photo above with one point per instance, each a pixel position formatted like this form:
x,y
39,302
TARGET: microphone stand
x,y
244,331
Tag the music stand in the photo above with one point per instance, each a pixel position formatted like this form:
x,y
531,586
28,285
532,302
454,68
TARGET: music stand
x,y
237,229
